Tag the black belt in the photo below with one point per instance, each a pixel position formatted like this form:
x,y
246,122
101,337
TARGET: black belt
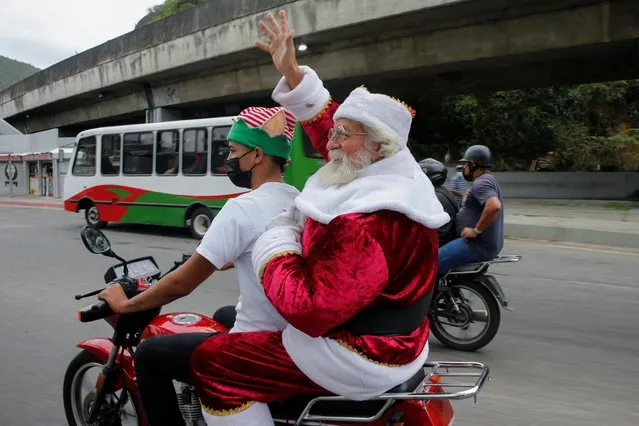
x,y
388,321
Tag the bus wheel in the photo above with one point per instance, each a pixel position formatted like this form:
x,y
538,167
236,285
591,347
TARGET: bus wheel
x,y
92,217
199,221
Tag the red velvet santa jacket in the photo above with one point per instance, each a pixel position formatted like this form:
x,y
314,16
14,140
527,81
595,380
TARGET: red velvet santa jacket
x,y
381,259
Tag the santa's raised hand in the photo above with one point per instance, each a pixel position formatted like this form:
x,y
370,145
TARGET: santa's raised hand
x,y
281,47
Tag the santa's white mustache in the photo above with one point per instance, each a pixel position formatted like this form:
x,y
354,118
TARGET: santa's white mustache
x,y
336,154
342,168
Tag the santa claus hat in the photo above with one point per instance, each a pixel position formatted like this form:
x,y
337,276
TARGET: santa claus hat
x,y
378,110
270,129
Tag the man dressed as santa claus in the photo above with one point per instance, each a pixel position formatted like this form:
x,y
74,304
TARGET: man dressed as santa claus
x,y
350,266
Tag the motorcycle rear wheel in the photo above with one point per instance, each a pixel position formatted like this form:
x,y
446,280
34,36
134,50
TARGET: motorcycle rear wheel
x,y
77,407
493,317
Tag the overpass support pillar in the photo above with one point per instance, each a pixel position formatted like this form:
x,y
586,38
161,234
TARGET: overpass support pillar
x,y
157,115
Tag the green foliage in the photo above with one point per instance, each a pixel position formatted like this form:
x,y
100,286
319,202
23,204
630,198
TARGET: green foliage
x,y
166,9
12,71
587,127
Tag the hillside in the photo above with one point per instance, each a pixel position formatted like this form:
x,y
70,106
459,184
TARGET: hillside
x,y
12,71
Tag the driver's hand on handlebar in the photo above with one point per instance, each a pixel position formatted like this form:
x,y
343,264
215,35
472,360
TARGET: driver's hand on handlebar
x,y
116,298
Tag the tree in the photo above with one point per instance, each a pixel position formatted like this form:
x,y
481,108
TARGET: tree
x,y
587,127
166,9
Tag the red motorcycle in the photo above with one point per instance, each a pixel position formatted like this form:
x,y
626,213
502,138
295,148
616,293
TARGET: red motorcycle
x,y
100,387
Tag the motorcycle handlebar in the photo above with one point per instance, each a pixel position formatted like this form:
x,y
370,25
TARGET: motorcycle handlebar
x,y
97,311
101,309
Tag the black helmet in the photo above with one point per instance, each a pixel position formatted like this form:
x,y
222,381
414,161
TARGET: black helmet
x,y
478,154
435,171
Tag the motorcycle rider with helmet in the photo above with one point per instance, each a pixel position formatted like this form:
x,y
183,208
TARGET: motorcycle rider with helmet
x,y
437,173
480,222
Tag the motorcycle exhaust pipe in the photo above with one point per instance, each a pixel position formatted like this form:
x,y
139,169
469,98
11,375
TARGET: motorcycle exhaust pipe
x,y
480,315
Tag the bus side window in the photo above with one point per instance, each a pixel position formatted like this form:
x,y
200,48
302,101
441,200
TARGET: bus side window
x,y
84,161
137,153
167,153
110,155
195,152
219,150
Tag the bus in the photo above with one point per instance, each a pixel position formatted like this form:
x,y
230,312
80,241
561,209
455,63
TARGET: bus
x,y
168,173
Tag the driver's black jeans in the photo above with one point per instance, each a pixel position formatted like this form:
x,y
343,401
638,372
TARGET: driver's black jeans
x,y
158,361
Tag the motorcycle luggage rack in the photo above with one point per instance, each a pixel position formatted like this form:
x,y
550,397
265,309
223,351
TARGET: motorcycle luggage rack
x,y
476,268
472,375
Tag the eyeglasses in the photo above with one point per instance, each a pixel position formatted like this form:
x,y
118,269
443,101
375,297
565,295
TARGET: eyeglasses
x,y
340,133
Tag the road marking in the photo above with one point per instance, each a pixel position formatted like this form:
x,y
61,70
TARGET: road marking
x,y
573,246
14,226
47,206
597,250
553,281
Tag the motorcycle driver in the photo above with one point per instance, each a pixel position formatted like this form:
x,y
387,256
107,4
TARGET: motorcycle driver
x,y
259,146
437,173
480,222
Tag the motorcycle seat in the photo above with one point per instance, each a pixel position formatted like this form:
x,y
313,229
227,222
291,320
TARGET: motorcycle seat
x,y
293,408
225,316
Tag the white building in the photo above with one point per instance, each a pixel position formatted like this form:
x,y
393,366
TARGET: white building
x,y
33,164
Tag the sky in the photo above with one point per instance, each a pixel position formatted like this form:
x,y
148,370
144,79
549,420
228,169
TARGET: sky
x,y
44,32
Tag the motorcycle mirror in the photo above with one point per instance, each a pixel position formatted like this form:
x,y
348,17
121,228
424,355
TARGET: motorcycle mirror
x,y
95,241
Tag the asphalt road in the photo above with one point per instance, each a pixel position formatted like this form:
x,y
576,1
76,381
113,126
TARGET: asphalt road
x,y
566,355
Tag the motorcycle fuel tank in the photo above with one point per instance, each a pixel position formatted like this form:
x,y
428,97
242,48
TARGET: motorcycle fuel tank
x,y
181,322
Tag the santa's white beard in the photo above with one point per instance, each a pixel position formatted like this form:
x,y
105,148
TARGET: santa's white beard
x,y
345,169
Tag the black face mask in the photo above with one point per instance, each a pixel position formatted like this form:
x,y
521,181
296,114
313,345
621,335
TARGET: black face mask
x,y
468,175
238,176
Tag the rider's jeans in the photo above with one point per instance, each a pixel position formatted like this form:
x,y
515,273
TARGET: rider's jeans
x,y
456,253
158,361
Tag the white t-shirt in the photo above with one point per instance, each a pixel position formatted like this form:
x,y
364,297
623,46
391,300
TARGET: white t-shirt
x,y
230,238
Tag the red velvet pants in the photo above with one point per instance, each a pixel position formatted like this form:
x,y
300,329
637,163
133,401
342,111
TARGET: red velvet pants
x,y
232,370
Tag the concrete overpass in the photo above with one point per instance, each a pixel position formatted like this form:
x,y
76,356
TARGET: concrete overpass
x,y
202,61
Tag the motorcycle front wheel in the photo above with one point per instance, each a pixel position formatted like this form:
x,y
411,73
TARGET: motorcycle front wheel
x,y
465,317
118,409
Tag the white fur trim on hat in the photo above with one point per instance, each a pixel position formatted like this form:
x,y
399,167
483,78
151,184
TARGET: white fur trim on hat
x,y
377,110
307,99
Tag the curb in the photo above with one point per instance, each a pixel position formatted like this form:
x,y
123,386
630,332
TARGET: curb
x,y
571,235
28,204
515,230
